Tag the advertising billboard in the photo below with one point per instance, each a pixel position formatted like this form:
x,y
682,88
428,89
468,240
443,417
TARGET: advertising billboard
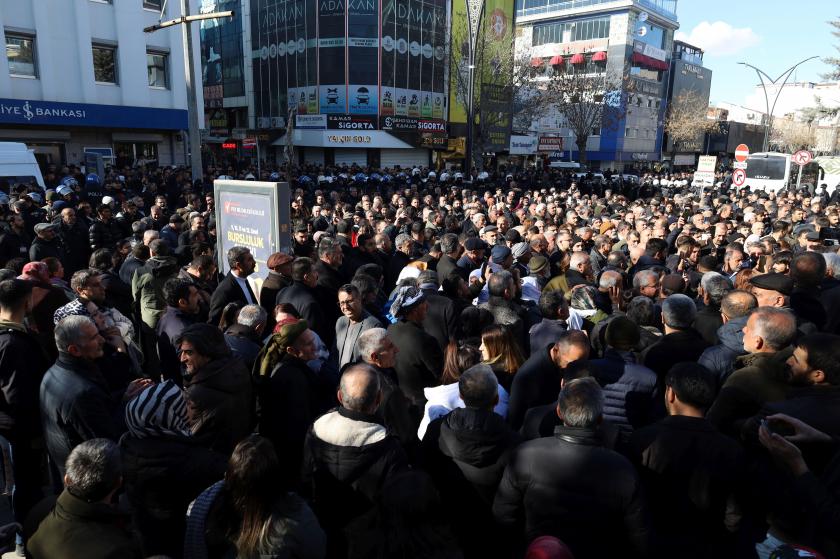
x,y
254,215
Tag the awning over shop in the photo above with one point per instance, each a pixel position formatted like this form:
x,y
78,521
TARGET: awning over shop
x,y
599,56
557,60
644,60
536,62
578,59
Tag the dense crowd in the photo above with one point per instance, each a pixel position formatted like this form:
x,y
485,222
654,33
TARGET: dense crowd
x,y
441,365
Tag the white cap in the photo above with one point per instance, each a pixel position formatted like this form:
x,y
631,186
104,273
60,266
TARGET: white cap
x,y
107,200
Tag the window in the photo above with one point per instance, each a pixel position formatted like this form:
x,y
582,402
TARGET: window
x,y
104,64
152,4
156,64
20,50
564,32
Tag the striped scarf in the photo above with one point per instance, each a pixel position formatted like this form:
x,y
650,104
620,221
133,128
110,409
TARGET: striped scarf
x,y
159,410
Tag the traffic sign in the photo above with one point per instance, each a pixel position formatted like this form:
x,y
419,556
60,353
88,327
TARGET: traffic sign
x,y
802,157
739,177
740,165
741,153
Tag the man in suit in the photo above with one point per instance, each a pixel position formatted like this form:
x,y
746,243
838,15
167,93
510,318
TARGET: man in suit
x,y
350,326
234,288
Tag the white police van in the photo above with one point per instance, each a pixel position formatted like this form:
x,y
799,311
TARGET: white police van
x,y
18,165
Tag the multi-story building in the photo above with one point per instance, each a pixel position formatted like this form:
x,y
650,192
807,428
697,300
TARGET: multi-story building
x,y
630,40
689,84
81,76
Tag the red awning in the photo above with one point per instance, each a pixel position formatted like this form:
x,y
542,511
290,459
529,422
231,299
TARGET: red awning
x,y
578,59
599,56
649,62
536,62
557,60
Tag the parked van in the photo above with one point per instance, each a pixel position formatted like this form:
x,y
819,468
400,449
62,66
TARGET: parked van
x,y
18,164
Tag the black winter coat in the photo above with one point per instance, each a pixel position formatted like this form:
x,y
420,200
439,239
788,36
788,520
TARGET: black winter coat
x,y
104,235
76,406
228,291
466,452
629,389
169,327
162,476
442,319
419,362
12,246
692,475
305,300
537,382
570,487
685,345
720,359
40,249
76,247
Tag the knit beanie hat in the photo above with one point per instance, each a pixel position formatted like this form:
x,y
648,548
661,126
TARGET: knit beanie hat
x,y
622,333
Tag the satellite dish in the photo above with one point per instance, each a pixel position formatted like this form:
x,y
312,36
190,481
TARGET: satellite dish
x,y
643,16
642,31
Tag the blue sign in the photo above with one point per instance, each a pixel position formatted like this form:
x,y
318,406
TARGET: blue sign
x,y
46,113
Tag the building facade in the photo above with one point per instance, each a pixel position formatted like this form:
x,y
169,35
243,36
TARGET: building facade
x,y
630,40
360,82
81,76
689,83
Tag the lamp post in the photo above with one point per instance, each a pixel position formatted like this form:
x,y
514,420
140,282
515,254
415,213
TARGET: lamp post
x,y
761,75
192,101
475,13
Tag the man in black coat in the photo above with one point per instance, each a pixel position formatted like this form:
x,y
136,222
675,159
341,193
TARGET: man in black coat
x,y
74,237
466,452
691,472
349,456
14,243
279,277
75,399
303,297
681,342
420,360
22,365
448,263
713,287
104,233
182,310
442,319
234,288
330,258
539,377
571,487
397,261
47,244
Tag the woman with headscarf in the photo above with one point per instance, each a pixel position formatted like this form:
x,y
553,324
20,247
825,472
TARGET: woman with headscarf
x,y
164,467
584,314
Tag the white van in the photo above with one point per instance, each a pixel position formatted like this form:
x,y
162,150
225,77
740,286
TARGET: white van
x,y
565,165
18,164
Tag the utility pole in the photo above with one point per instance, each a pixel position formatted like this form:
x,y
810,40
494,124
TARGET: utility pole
x,y
192,101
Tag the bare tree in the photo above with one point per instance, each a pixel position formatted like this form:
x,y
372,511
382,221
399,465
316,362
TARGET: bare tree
x,y
686,120
789,135
833,61
586,96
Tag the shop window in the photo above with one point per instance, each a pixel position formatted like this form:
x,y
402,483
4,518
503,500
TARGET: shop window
x,y
157,64
20,51
104,63
135,154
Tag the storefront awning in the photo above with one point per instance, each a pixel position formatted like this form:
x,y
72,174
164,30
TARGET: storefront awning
x,y
599,56
557,60
536,62
578,59
649,62
343,139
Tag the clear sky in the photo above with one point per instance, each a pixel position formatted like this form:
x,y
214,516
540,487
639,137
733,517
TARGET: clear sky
x,y
771,34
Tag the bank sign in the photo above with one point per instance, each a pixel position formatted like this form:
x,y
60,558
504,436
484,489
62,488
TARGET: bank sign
x,y
46,113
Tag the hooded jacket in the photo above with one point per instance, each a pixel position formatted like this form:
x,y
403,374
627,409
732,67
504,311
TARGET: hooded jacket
x,y
720,358
147,287
348,458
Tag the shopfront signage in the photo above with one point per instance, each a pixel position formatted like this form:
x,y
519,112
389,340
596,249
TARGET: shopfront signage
x,y
337,139
550,143
46,113
351,122
311,122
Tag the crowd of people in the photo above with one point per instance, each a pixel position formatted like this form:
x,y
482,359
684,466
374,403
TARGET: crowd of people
x,y
439,365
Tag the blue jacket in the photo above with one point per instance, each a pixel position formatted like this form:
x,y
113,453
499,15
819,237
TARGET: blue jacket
x,y
629,389
720,358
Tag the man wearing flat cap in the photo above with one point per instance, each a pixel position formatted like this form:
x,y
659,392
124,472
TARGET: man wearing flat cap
x,y
46,244
474,254
419,362
774,290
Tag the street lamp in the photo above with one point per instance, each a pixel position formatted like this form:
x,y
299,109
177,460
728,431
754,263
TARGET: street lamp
x,y
761,75
192,102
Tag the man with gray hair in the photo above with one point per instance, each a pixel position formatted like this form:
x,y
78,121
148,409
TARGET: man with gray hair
x,y
234,288
330,259
397,261
466,452
681,341
580,270
761,376
713,287
245,337
560,484
349,454
76,400
85,522
506,312
735,309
